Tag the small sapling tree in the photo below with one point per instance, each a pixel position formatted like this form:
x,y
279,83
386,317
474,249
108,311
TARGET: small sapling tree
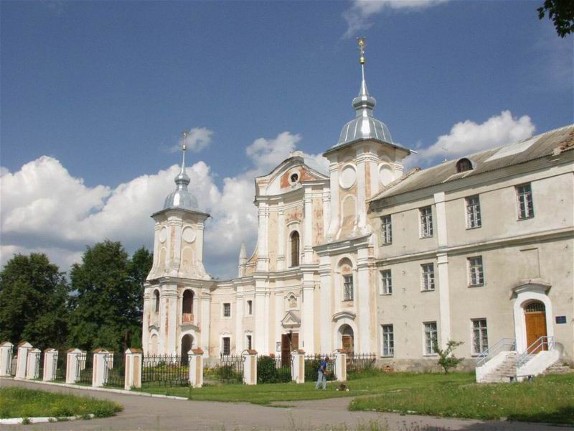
x,y
446,358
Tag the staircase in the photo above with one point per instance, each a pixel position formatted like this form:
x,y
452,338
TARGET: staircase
x,y
558,368
504,372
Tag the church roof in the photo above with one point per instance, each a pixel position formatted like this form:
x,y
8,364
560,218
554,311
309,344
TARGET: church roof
x,y
538,149
181,197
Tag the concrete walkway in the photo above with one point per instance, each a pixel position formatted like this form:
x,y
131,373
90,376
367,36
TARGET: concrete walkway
x,y
143,413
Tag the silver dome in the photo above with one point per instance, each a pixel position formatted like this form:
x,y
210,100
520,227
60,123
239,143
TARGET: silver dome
x,y
181,197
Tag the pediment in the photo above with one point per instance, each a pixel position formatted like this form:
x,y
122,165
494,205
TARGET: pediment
x,y
292,319
344,315
287,176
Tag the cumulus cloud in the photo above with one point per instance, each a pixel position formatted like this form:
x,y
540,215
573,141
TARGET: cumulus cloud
x,y
46,210
468,137
359,14
195,140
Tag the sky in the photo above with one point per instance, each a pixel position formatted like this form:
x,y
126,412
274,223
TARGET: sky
x,y
94,97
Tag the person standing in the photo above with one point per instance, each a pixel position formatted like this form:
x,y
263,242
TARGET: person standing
x,y
322,374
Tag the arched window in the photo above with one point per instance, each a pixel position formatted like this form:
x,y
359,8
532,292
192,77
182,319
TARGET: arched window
x,y
156,300
187,307
463,165
295,248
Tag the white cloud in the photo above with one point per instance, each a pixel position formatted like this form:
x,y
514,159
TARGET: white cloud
x,y
196,140
468,137
44,209
357,16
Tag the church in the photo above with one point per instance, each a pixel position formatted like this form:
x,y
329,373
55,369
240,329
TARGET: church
x,y
372,259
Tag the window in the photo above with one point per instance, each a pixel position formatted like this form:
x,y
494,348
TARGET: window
x,y
426,222
463,165
479,336
156,298
386,230
187,307
226,346
431,337
226,309
388,340
387,282
249,342
249,307
473,212
348,287
525,204
475,271
295,248
427,282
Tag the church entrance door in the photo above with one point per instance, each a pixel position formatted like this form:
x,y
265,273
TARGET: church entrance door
x,y
535,318
186,343
289,342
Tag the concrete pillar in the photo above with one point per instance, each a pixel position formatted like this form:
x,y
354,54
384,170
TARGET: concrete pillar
x,y
250,368
23,348
73,365
196,368
298,366
33,364
50,365
341,366
103,361
6,352
133,369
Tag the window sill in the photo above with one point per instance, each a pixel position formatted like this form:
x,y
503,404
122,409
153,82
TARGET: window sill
x,y
387,294
387,356
473,227
427,290
524,218
471,286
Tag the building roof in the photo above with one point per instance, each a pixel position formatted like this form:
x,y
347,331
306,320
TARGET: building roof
x,y
538,147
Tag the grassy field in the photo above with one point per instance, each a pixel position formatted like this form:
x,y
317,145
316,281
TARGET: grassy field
x,y
547,399
27,403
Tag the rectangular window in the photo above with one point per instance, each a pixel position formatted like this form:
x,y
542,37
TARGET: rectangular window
x,y
475,271
226,346
431,337
473,212
347,287
387,282
479,336
226,309
249,343
386,230
249,307
427,281
425,222
388,340
525,204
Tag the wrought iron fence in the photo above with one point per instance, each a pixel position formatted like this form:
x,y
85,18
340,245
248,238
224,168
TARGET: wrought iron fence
x,y
114,370
230,369
272,369
312,363
164,370
357,362
85,369
61,364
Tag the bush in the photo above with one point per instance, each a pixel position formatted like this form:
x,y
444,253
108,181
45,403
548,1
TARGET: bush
x,y
267,371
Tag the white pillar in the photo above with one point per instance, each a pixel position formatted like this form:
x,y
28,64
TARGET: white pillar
x,y
22,362
133,370
298,366
250,368
196,368
6,352
50,365
73,365
325,335
100,370
33,365
341,366
442,269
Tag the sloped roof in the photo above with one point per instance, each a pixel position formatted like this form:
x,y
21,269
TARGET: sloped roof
x,y
536,148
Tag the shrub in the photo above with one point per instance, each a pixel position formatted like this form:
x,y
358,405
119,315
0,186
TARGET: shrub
x,y
446,359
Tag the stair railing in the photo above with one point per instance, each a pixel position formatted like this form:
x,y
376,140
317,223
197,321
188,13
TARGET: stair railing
x,y
504,344
542,343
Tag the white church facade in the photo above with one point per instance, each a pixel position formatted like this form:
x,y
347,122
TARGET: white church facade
x,y
370,259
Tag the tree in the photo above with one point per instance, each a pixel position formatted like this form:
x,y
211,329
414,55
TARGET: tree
x,y
33,302
561,12
446,358
107,289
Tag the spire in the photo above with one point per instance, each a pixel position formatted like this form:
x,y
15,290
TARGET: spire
x,y
365,125
181,197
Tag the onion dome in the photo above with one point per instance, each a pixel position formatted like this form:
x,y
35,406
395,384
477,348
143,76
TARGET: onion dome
x,y
365,125
181,197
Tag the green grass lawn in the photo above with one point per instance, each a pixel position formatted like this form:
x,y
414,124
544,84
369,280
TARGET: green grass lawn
x,y
547,399
27,403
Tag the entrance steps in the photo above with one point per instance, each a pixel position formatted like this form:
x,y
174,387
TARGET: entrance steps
x,y
505,371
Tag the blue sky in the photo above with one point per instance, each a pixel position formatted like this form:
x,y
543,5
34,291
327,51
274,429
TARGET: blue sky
x,y
95,94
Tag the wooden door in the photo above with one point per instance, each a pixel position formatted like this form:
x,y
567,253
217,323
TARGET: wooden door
x,y
347,343
289,342
535,318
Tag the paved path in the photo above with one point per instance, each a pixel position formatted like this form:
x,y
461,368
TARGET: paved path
x,y
146,413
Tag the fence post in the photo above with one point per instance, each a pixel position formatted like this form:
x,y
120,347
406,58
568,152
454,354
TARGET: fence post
x,y
133,377
250,368
341,366
196,368
23,348
6,351
50,365
100,370
298,366
72,368
33,364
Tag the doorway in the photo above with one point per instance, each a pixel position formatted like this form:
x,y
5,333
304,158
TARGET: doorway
x,y
347,339
186,344
289,342
535,321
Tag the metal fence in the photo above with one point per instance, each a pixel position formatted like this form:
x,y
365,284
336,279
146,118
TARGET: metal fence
x,y
85,369
115,370
230,369
357,362
61,365
164,370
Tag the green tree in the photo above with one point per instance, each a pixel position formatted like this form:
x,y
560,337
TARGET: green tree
x,y
561,12
107,289
33,302
446,358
